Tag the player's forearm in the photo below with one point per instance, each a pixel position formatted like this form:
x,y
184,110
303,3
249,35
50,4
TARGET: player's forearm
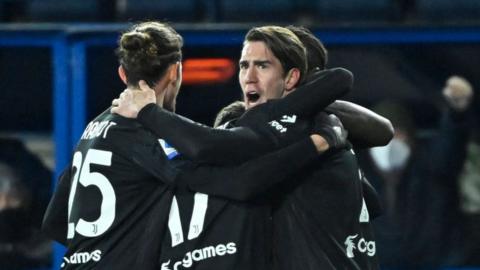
x,y
198,142
185,135
256,176
314,96
366,128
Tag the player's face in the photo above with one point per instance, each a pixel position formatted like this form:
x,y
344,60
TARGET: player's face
x,y
261,74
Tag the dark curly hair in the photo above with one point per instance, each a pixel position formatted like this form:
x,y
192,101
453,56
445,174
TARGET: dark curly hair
x,y
147,49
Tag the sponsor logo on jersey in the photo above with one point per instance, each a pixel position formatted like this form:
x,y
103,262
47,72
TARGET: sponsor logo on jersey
x,y
362,246
279,127
82,257
198,255
286,119
96,129
170,152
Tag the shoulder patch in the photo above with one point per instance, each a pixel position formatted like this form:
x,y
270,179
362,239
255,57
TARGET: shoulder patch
x,y
170,152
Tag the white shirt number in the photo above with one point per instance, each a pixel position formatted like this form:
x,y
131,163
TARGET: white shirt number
x,y
86,178
196,222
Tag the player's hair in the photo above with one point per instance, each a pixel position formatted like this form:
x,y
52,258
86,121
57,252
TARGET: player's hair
x,y
232,111
146,50
284,44
317,55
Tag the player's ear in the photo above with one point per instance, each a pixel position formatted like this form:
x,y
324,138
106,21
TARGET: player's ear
x,y
292,79
174,72
121,73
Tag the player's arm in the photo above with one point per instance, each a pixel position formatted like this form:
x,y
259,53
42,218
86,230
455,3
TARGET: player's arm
x,y
365,128
207,145
255,176
201,143
322,88
55,220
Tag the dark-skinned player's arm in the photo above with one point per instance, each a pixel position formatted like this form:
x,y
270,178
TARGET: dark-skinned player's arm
x,y
365,127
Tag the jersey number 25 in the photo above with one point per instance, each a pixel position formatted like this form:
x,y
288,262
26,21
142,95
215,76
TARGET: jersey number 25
x,y
85,177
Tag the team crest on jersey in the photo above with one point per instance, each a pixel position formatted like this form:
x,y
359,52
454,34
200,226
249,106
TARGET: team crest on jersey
x,y
170,152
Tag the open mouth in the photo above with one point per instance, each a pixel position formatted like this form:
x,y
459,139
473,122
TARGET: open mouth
x,y
253,96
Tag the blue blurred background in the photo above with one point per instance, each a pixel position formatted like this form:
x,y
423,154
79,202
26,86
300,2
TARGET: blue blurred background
x,y
58,70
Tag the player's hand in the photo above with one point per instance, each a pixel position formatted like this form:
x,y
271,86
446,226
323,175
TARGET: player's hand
x,y
331,130
458,93
131,101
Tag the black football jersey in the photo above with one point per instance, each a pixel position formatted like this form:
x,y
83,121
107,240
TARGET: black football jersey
x,y
210,232
200,224
324,222
230,228
220,218
110,207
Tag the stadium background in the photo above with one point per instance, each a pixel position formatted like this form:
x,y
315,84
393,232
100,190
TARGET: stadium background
x,y
58,67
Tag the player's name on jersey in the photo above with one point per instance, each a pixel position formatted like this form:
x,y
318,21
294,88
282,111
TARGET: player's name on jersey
x,y
96,129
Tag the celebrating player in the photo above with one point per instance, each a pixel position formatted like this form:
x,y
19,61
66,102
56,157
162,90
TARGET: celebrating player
x,y
111,208
103,206
265,77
